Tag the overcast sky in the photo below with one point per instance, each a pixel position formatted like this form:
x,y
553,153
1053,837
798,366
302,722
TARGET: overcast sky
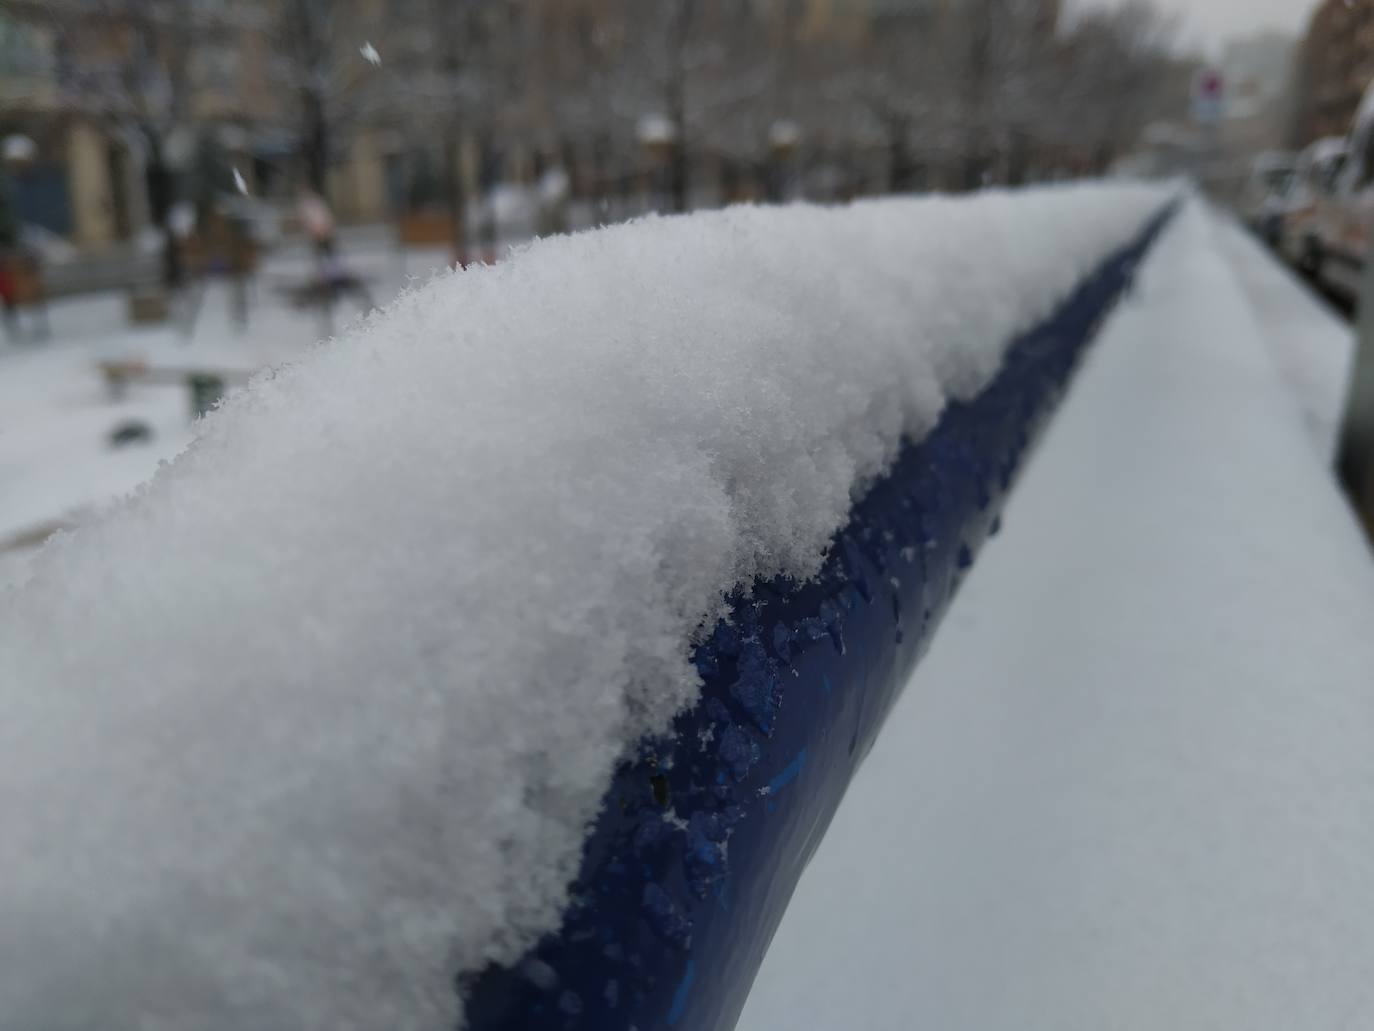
x,y
1208,22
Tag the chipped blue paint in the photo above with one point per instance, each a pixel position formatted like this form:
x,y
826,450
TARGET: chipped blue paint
x,y
789,773
684,989
685,868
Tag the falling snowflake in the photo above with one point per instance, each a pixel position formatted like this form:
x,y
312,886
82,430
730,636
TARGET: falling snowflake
x,y
239,184
370,54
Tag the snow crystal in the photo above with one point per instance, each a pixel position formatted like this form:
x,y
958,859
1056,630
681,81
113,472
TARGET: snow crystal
x,y
319,718
1134,775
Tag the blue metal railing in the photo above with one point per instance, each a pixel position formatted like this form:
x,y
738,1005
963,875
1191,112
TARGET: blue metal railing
x,y
703,836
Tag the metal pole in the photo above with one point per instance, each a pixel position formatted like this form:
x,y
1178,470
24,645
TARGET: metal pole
x,y
1355,460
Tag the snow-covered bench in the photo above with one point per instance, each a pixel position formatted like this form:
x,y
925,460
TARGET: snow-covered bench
x,y
206,384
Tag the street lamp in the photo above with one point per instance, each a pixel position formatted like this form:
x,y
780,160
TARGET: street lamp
x,y
784,137
18,150
658,136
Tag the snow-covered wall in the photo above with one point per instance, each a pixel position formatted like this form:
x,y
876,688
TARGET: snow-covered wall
x,y
320,718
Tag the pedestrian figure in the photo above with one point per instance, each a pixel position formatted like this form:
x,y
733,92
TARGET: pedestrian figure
x,y
317,221
332,278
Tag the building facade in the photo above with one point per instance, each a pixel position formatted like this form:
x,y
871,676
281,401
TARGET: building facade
x,y
120,101
1334,67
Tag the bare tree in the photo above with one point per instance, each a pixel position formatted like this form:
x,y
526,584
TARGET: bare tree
x,y
125,63
997,58
897,83
321,62
997,90
684,77
1117,69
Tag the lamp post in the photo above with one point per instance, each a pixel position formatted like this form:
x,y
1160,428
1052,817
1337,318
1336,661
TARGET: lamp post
x,y
1355,459
21,277
784,137
16,151
658,136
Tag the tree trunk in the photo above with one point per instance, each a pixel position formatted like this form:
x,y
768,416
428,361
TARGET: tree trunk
x,y
898,156
601,174
161,186
678,177
315,146
1018,161
679,169
973,170
489,228
456,193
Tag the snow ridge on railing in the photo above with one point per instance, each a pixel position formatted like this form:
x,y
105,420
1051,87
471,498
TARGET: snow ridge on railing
x,y
324,719
702,838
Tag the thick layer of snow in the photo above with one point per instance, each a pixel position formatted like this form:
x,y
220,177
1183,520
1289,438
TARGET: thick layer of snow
x,y
1132,786
319,718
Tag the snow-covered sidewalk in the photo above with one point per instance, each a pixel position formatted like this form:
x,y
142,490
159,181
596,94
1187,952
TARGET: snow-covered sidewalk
x,y
1132,786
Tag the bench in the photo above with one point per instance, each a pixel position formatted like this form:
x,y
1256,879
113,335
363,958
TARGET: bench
x,y
206,385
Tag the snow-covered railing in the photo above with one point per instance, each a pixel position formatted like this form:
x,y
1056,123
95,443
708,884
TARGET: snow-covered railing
x,y
702,837
504,661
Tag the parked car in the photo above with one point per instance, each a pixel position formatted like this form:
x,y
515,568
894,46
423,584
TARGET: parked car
x,y
1343,223
1262,199
1310,192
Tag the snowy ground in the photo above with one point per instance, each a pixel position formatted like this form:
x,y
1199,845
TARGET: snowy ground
x,y
1131,786
56,413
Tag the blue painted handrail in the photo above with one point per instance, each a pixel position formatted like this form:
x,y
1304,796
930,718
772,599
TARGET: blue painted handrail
x,y
703,836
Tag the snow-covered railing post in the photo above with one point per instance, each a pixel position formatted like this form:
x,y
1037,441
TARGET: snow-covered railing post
x,y
502,663
703,836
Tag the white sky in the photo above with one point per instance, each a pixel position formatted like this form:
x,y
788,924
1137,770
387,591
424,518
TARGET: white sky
x,y
1208,22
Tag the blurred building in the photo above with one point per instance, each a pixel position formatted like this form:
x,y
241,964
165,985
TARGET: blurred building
x,y
1256,70
71,185
1334,66
120,98
1257,76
